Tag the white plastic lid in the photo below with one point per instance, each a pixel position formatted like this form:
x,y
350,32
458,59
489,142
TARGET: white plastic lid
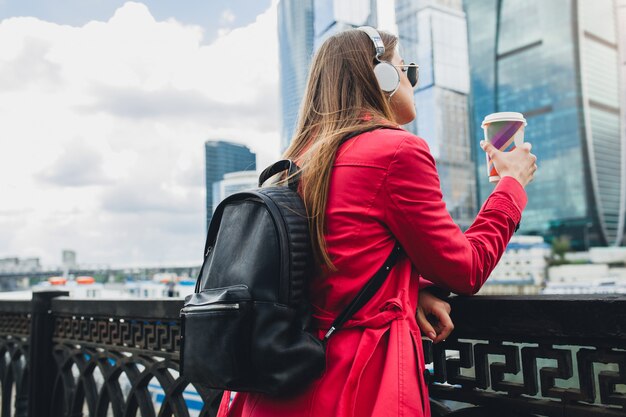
x,y
503,116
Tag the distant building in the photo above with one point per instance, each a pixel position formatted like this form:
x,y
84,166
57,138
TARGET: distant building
x,y
19,265
68,258
557,63
522,268
232,183
600,255
433,34
585,279
295,39
221,158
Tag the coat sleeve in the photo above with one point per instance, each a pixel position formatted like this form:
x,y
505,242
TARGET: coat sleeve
x,y
416,214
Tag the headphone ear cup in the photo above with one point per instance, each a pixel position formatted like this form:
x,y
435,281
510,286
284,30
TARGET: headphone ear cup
x,y
387,76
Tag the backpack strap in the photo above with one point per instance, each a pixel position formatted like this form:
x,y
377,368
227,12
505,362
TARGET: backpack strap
x,y
367,292
293,173
374,284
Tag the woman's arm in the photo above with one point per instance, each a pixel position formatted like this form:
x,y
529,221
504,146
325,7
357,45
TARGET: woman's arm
x,y
417,216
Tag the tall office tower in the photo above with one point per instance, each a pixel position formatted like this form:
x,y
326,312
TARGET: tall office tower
x,y
433,34
557,63
295,38
620,7
221,158
333,16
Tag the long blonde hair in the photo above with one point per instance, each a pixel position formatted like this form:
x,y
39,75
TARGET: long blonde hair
x,y
342,97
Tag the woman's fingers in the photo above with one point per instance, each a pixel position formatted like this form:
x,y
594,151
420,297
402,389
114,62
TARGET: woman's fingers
x,y
519,163
425,325
444,323
440,325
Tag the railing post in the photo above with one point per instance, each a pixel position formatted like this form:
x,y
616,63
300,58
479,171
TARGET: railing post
x,y
41,366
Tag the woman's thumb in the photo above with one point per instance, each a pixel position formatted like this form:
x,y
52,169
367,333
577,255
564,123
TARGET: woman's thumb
x,y
488,147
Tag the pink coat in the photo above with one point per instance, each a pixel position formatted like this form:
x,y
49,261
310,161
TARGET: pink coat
x,y
384,187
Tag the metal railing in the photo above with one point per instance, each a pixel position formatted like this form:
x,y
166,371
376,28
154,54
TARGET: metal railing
x,y
520,355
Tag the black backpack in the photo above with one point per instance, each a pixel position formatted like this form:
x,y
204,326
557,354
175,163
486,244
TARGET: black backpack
x,y
247,326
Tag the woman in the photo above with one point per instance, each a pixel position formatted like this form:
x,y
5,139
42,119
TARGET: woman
x,y
365,194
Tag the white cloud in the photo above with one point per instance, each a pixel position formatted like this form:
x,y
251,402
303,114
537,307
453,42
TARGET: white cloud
x,y
102,130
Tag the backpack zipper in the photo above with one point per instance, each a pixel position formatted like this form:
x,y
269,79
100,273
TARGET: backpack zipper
x,y
211,307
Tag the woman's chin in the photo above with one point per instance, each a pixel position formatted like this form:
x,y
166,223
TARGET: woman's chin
x,y
406,119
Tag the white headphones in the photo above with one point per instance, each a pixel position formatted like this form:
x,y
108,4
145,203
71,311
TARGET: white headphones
x,y
386,74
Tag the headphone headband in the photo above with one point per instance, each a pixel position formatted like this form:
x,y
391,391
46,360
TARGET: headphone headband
x,y
376,39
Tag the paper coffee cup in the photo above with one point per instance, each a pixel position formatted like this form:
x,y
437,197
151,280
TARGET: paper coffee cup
x,y
505,131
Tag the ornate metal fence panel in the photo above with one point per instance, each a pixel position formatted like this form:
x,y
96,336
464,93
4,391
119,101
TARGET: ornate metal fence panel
x,y
508,356
553,356
123,363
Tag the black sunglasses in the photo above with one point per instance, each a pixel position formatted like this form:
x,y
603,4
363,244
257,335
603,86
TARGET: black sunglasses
x,y
412,72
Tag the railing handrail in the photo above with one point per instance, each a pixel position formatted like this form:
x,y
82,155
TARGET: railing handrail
x,y
15,306
579,318
162,308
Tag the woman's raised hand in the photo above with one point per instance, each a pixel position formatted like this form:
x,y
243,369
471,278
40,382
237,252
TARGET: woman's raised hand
x,y
433,317
518,163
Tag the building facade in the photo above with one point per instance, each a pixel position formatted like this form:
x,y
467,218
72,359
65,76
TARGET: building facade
x,y
522,268
524,262
557,63
295,38
433,34
221,158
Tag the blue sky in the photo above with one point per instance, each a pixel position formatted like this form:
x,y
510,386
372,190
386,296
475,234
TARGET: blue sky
x,y
209,14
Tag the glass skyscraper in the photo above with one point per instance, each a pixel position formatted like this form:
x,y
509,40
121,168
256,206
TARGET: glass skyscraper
x,y
295,38
557,63
433,34
221,158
